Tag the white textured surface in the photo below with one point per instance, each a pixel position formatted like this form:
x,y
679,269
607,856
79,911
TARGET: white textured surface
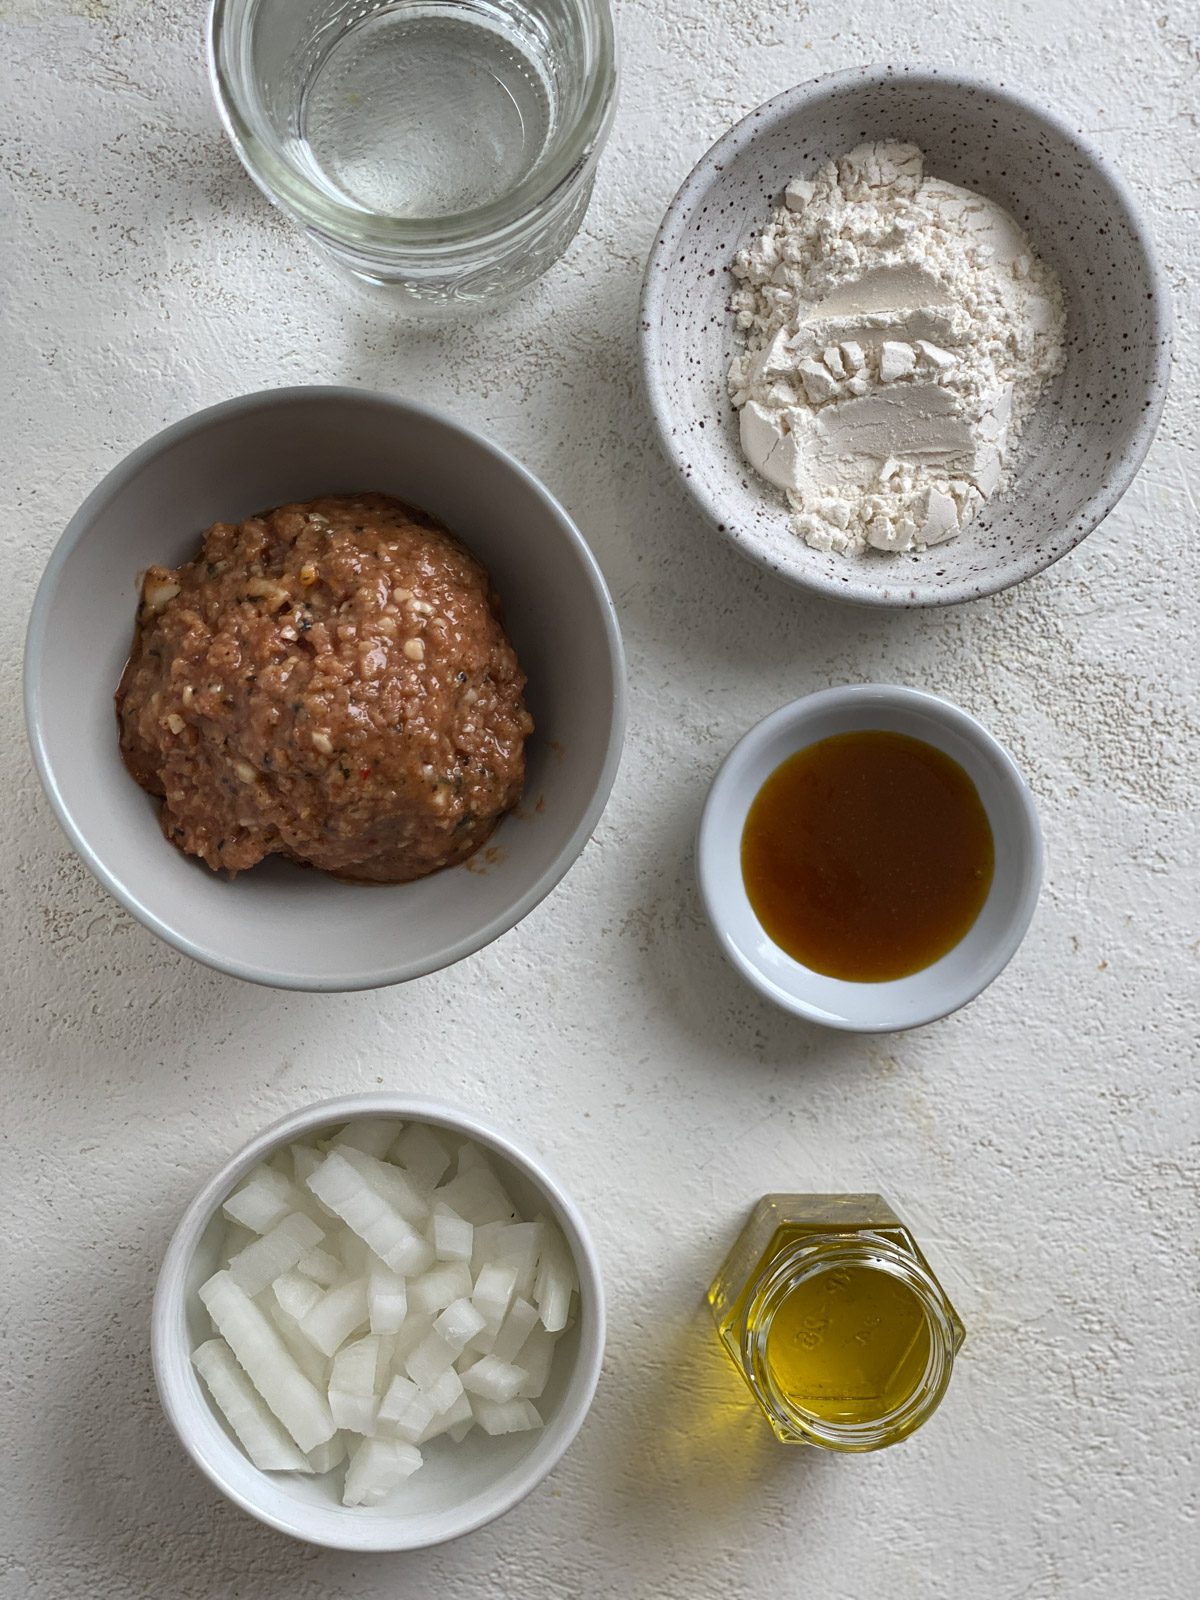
x,y
1043,1140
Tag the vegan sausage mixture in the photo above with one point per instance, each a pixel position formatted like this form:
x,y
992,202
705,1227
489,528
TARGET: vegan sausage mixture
x,y
329,682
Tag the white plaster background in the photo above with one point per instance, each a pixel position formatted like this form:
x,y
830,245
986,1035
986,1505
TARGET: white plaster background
x,y
1044,1140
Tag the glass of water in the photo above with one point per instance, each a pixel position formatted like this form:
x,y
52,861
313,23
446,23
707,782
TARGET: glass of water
x,y
444,147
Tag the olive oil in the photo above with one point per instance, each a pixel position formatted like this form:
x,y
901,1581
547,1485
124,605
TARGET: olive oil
x,y
848,1344
835,1321
867,856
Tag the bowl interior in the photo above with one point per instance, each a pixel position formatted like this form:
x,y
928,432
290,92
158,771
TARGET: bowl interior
x,y
281,923
458,1486
964,970
1087,438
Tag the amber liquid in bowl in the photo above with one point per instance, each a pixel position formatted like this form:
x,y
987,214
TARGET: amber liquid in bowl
x,y
867,856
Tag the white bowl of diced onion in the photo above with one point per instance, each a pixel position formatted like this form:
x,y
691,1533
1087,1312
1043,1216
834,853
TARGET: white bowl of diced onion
x,y
394,1309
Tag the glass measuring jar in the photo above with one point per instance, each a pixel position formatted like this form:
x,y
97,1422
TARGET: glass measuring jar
x,y
835,1321
445,148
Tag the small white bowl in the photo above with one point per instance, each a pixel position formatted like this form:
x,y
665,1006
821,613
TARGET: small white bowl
x,y
963,972
1084,443
459,1488
282,924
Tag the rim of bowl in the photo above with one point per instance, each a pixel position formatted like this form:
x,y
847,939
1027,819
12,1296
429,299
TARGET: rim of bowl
x,y
285,185
168,1306
36,644
1121,471
886,696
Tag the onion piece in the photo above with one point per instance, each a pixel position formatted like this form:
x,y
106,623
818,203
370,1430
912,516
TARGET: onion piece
x,y
264,1199
458,1324
295,1294
329,1455
387,1298
258,1431
376,1468
494,1380
555,1282
416,1325
484,1245
352,1398
268,1363
356,1254
386,1364
321,1267
374,1136
429,1360
305,1161
477,1195
511,1416
339,1312
353,1369
307,1357
440,1286
392,1185
458,1420
235,1238
421,1152
468,1155
446,1391
344,1191
514,1330
406,1410
274,1253
493,1294
519,1245
537,1356
452,1236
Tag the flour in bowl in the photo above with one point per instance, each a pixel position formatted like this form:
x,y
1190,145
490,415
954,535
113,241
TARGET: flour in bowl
x,y
899,331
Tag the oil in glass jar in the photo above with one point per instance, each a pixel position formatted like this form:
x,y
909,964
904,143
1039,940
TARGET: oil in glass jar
x,y
835,1321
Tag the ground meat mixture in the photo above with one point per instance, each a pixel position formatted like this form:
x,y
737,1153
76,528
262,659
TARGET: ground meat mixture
x,y
328,682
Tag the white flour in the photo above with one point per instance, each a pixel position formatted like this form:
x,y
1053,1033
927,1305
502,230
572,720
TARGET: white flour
x,y
899,330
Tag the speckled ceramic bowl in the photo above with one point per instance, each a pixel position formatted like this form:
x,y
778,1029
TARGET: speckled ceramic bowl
x,y
1080,451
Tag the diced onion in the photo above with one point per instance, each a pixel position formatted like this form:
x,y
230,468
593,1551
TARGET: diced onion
x,y
452,1236
492,1379
259,1431
422,1154
510,1416
376,1468
299,1405
387,1298
377,1291
439,1287
339,1312
257,1266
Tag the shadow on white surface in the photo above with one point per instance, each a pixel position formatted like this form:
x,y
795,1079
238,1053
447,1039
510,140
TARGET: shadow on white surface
x,y
699,1454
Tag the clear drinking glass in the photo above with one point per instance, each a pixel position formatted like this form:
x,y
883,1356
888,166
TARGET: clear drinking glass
x,y
444,147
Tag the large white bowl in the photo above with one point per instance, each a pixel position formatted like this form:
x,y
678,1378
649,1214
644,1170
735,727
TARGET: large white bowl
x,y
282,924
459,1488
983,952
1082,448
